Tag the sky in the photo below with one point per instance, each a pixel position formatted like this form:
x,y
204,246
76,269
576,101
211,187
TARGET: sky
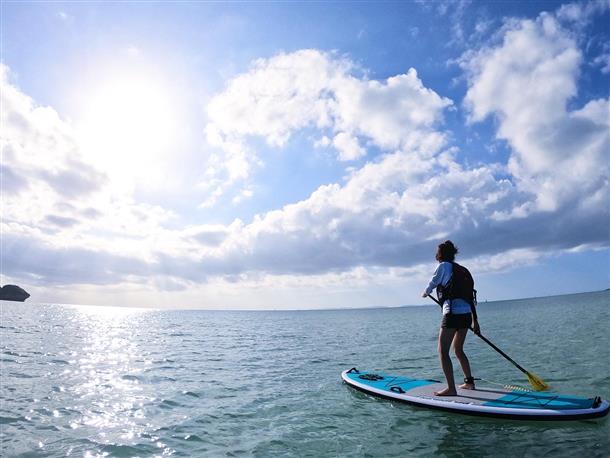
x,y
294,155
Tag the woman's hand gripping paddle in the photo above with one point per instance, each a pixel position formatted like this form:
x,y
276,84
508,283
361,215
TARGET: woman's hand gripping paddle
x,y
537,383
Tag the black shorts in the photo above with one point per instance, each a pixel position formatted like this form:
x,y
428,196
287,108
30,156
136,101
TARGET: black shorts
x,y
460,321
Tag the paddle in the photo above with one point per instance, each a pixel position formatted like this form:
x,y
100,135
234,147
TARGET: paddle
x,y
537,383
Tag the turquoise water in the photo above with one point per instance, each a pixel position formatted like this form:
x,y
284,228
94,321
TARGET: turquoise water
x,y
97,381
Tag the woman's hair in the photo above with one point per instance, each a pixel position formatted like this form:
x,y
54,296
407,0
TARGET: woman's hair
x,y
446,251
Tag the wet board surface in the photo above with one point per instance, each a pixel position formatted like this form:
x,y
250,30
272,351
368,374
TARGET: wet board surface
x,y
483,401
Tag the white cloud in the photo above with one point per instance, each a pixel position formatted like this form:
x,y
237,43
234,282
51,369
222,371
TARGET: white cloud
x,y
322,142
526,82
39,157
580,13
397,113
384,216
65,17
309,88
277,96
507,260
348,147
603,61
55,204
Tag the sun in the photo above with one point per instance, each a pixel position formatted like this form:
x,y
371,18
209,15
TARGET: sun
x,y
127,126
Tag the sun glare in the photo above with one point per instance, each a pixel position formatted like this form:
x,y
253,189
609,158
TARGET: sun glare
x,y
127,126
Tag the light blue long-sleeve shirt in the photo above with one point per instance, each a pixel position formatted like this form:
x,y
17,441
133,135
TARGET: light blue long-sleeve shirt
x,y
441,276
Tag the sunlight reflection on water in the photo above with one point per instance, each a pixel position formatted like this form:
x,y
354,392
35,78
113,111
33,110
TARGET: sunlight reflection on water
x,y
108,372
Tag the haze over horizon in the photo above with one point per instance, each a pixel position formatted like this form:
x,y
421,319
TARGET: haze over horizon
x,y
298,155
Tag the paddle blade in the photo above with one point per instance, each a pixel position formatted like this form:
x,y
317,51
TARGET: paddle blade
x,y
537,383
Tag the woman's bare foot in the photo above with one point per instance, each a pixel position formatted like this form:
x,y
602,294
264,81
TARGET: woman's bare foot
x,y
466,386
445,392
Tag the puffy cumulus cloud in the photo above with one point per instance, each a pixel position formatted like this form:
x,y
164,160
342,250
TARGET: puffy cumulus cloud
x,y
558,155
385,216
396,113
348,147
309,88
277,96
61,218
41,163
383,224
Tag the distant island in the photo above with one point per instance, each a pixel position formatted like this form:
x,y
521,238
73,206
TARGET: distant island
x,y
13,293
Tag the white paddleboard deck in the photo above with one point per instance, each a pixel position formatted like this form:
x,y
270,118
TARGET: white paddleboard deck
x,y
489,402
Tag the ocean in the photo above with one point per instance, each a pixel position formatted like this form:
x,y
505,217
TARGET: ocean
x,y
111,381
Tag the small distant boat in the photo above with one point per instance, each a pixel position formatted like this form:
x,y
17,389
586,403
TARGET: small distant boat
x,y
13,293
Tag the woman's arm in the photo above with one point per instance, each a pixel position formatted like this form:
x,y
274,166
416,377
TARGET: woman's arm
x,y
436,280
475,321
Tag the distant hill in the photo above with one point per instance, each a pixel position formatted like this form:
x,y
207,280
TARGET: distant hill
x,y
13,293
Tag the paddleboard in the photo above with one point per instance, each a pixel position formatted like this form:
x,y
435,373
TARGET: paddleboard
x,y
518,404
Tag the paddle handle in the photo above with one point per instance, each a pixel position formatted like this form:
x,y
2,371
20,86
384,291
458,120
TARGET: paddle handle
x,y
487,341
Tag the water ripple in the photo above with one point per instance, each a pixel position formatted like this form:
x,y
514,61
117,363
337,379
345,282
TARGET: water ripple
x,y
94,381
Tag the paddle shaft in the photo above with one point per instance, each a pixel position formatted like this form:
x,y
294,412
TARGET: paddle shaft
x,y
487,341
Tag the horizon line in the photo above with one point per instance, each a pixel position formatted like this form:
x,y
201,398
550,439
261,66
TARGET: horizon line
x,y
371,307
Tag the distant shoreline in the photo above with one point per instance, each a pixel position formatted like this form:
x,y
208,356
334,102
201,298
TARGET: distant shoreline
x,y
552,295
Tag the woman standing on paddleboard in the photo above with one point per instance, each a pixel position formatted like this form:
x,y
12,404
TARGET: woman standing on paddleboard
x,y
459,314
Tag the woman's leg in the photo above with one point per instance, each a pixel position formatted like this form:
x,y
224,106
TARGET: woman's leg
x,y
445,338
458,347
